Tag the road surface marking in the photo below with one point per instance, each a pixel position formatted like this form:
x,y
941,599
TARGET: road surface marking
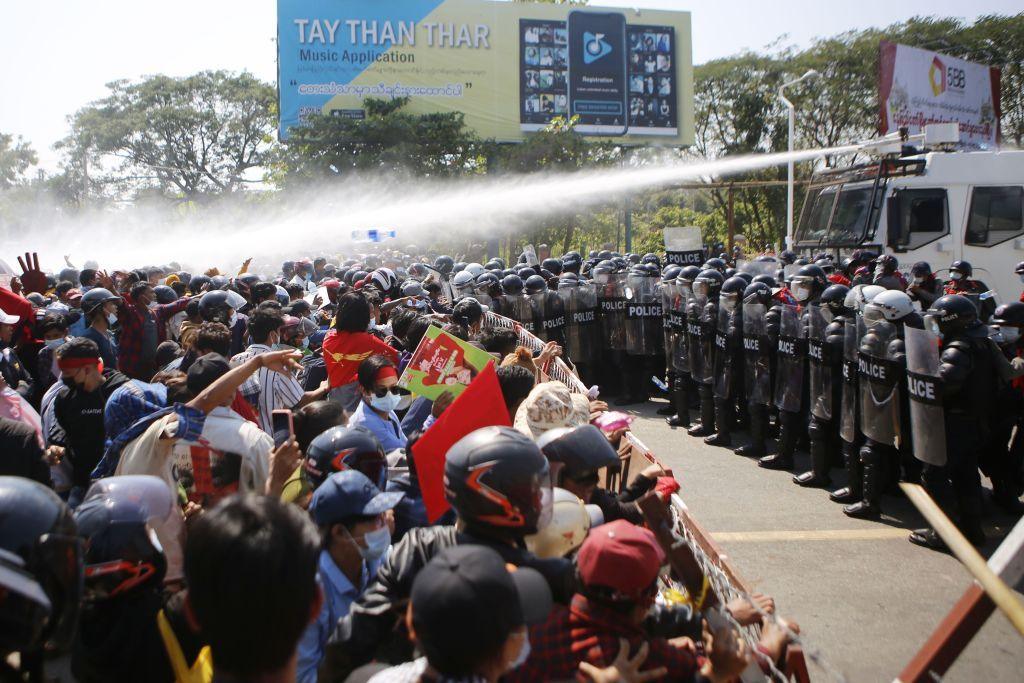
x,y
812,535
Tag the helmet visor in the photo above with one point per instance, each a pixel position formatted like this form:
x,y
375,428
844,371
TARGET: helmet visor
x,y
701,288
873,314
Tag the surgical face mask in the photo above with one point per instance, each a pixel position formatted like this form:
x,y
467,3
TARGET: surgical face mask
x,y
54,343
377,543
232,319
111,318
801,291
524,652
955,275
386,403
918,280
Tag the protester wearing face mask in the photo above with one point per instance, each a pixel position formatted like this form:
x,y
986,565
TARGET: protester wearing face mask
x,y
348,344
924,287
99,309
13,371
53,330
961,281
78,411
378,387
352,514
143,325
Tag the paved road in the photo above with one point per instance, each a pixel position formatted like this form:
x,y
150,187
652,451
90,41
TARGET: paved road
x,y
863,595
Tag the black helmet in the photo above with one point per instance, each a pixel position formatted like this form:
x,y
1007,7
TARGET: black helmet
x,y
962,267
444,264
815,274
345,448
214,307
716,264
40,568
577,449
459,266
834,298
525,271
603,255
495,478
671,272
688,273
490,265
552,265
922,269
787,257
708,283
164,294
887,263
604,268
249,279
535,284
218,282
486,280
512,284
197,282
1009,314
747,277
734,285
950,313
826,265
97,296
114,521
766,279
651,257
633,259
729,272
757,293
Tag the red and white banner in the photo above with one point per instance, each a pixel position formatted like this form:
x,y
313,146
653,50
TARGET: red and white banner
x,y
917,87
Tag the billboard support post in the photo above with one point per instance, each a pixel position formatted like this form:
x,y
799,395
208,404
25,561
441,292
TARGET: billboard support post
x,y
811,73
628,219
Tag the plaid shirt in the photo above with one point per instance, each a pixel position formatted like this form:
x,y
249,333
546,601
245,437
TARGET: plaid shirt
x,y
131,357
585,632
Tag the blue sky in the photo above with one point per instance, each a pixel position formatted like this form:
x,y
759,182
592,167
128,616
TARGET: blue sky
x,y
56,56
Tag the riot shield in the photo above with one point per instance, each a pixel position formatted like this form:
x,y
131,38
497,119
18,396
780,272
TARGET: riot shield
x,y
756,268
584,313
879,383
611,301
519,308
723,377
708,325
549,316
675,314
819,365
850,410
756,355
927,419
643,316
790,353
668,289
695,337
567,295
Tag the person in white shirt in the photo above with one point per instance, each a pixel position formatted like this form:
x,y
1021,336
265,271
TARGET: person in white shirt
x,y
268,391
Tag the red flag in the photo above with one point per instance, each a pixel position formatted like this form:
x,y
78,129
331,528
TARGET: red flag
x,y
480,405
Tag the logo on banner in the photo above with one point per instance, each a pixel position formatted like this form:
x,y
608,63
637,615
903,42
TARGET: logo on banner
x,y
943,78
594,47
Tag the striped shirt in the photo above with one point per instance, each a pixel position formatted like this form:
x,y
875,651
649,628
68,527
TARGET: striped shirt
x,y
267,390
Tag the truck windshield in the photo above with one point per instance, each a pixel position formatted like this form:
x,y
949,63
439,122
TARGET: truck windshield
x,y
848,223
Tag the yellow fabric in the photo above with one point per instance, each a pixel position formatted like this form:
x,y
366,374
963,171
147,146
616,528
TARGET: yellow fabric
x,y
201,670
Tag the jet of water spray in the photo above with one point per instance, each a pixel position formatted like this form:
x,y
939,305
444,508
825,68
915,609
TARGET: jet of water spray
x,y
321,219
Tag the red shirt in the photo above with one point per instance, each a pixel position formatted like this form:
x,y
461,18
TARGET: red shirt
x,y
344,351
585,632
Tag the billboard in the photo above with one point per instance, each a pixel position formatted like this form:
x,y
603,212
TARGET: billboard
x,y
920,86
509,67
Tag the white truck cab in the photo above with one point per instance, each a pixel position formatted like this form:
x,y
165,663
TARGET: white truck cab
x,y
934,206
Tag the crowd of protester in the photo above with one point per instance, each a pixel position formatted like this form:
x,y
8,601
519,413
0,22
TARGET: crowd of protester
x,y
210,477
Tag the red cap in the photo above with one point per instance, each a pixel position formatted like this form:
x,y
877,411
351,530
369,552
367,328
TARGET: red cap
x,y
620,556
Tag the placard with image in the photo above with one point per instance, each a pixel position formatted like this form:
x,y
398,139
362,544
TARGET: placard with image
x,y
652,80
542,72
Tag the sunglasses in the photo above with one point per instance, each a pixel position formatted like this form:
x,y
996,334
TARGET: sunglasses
x,y
381,392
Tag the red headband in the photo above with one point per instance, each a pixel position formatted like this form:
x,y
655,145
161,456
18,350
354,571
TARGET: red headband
x,y
75,363
385,372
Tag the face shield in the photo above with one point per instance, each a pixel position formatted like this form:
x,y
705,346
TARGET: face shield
x,y
827,314
701,288
728,301
802,288
873,315
931,323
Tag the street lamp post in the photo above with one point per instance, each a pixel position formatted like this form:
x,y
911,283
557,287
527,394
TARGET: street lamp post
x,y
789,165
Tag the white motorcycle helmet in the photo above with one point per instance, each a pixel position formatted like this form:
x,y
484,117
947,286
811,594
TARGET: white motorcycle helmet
x,y
894,304
571,520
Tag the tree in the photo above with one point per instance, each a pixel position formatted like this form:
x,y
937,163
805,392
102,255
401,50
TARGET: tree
x,y
182,138
16,156
387,139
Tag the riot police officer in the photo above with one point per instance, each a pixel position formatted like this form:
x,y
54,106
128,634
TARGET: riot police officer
x,y
514,304
728,360
1005,466
706,287
611,300
548,312
644,336
825,339
682,353
792,390
761,317
579,300
669,290
967,376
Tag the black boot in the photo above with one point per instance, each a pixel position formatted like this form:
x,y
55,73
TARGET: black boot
x,y
818,476
725,416
788,433
681,403
854,477
758,418
707,413
873,480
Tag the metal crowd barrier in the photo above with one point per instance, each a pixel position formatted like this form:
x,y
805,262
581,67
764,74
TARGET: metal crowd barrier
x,y
680,529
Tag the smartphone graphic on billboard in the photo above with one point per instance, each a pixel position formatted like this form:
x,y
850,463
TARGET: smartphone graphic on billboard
x,y
598,85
